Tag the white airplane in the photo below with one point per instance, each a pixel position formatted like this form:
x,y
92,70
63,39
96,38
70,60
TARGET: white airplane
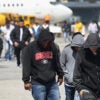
x,y
37,8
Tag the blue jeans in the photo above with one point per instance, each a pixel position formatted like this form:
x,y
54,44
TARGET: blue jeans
x,y
7,50
46,92
66,36
70,91
77,96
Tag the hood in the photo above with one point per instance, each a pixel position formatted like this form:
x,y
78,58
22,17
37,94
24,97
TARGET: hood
x,y
77,40
44,36
92,40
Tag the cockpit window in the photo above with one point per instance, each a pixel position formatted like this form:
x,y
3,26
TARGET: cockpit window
x,y
17,4
21,4
53,3
12,4
8,4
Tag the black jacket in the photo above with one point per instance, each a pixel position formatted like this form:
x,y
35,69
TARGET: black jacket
x,y
1,43
87,68
41,64
15,35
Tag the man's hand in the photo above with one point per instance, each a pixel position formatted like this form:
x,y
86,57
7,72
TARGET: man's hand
x,y
3,34
60,80
26,43
16,44
82,91
27,86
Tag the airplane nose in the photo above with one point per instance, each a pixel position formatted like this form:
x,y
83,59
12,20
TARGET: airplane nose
x,y
62,12
66,12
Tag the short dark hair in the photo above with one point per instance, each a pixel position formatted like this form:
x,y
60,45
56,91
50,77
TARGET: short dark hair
x,y
21,20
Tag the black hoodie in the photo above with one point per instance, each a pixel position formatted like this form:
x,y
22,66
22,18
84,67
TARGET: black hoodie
x,y
41,65
87,67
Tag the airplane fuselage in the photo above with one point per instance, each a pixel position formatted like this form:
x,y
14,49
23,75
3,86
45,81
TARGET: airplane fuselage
x,y
37,8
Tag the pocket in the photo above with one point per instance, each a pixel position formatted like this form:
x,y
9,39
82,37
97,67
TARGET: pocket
x,y
68,77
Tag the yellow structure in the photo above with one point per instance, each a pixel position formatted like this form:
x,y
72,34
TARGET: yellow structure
x,y
28,20
2,19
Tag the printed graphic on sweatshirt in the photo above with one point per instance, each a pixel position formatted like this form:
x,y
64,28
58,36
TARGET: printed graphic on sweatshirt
x,y
43,55
44,61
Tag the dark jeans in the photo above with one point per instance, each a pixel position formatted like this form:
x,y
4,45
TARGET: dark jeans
x,y
1,46
0,52
17,53
70,92
88,96
46,92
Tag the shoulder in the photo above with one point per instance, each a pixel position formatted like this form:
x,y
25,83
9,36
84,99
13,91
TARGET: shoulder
x,y
55,48
54,45
16,28
67,48
32,44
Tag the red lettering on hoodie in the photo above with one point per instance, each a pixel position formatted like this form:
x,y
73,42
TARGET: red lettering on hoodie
x,y
43,55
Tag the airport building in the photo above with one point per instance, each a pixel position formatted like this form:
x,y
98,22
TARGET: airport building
x,y
86,10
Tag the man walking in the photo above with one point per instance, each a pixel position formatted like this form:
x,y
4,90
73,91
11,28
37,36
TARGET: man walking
x,y
66,29
67,60
87,69
20,37
6,31
40,62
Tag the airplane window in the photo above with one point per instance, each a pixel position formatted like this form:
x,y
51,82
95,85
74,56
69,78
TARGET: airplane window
x,y
21,4
8,4
12,4
4,5
17,4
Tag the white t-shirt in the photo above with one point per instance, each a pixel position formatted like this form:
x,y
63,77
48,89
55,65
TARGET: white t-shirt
x,y
7,32
21,33
92,28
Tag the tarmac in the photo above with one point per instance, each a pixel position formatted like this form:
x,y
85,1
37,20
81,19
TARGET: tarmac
x,y
11,84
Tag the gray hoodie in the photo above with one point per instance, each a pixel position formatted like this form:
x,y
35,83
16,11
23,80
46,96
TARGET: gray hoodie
x,y
67,58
